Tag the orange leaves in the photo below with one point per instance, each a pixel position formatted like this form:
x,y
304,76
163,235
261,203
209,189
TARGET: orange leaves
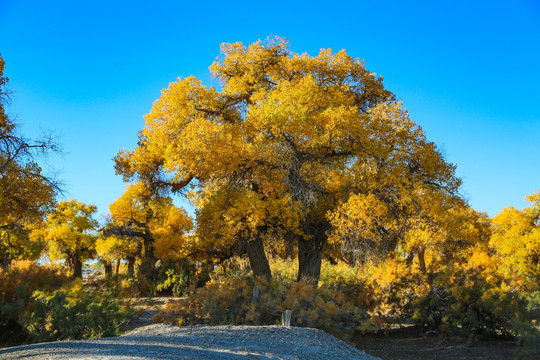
x,y
170,228
130,205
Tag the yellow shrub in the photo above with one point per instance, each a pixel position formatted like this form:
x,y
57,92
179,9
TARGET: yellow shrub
x,y
251,301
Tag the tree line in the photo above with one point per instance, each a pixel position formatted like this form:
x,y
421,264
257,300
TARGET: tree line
x,y
290,155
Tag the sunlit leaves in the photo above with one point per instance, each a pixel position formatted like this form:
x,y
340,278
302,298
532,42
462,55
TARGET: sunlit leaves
x,y
287,144
71,232
138,215
516,240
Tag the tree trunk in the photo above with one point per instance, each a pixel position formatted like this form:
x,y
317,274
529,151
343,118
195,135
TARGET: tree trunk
x,y
257,258
309,260
6,258
6,261
422,260
290,246
107,266
149,258
149,263
131,266
76,268
118,262
310,251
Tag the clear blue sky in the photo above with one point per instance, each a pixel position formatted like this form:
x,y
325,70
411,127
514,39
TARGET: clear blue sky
x,y
468,71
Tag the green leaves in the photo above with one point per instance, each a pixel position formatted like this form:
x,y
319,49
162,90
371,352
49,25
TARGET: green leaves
x,y
74,312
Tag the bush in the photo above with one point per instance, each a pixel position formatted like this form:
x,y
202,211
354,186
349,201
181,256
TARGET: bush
x,y
474,301
73,312
35,307
32,276
178,277
16,287
396,286
471,300
250,301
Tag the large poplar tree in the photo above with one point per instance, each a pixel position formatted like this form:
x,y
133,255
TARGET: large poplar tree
x,y
290,146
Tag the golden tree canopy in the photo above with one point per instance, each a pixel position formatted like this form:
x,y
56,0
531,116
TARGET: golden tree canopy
x,y
318,136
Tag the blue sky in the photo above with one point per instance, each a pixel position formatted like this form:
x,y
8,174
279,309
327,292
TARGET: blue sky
x,y
468,72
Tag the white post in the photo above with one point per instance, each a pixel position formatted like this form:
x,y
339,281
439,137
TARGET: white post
x,y
286,318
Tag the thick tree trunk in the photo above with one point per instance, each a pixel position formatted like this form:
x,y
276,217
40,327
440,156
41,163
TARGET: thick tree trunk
x,y
310,251
6,257
309,260
149,258
107,266
257,258
149,261
421,260
290,246
6,261
77,268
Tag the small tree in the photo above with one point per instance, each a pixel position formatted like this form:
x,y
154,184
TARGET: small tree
x,y
71,234
144,225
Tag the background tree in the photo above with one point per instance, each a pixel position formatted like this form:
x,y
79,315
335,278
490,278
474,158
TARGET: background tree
x,y
71,234
313,134
26,193
145,226
516,241
112,248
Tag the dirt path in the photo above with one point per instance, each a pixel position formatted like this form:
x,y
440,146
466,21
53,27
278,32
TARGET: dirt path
x,y
145,309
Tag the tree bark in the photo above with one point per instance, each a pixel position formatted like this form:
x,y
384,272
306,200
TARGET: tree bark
x,y
309,260
149,258
148,239
6,261
310,252
107,266
77,268
131,267
118,262
257,258
422,260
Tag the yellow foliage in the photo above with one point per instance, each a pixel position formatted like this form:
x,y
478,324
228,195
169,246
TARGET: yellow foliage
x,y
140,213
516,241
288,147
70,232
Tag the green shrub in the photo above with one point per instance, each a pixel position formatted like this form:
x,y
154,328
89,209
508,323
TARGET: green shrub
x,y
178,278
16,287
172,277
475,302
73,312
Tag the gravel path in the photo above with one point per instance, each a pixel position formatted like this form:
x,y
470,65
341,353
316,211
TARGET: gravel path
x,y
161,341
